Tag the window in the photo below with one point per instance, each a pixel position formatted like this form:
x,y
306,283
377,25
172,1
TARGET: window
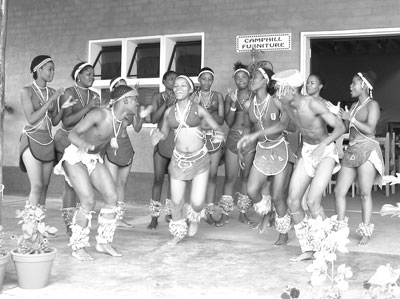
x,y
186,58
107,64
144,60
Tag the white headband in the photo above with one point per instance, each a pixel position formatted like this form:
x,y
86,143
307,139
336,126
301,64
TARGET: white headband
x,y
113,83
241,70
206,71
365,81
41,64
263,73
80,69
188,80
131,93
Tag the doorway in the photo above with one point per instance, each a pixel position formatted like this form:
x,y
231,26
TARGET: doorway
x,y
339,55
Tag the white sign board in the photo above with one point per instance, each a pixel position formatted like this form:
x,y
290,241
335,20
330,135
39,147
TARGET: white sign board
x,y
264,42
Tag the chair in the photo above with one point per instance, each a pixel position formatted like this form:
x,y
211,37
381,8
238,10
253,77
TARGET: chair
x,y
389,157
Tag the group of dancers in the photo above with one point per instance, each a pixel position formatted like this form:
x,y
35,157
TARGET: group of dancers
x,y
278,141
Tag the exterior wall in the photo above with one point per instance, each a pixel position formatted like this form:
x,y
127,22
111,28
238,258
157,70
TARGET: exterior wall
x,y
62,28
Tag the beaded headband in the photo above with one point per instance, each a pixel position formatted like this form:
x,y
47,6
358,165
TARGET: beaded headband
x,y
265,75
41,64
205,72
241,70
114,82
365,81
188,80
80,69
131,93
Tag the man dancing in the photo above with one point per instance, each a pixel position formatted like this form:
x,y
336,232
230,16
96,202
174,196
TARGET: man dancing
x,y
84,170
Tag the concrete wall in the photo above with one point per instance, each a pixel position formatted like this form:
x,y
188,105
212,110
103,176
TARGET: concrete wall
x,y
62,28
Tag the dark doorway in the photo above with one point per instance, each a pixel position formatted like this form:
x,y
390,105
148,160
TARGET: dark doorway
x,y
339,59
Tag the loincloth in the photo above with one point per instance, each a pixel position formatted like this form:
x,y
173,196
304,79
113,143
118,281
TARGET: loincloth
x,y
72,155
310,164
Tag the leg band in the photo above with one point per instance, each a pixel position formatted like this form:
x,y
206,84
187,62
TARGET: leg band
x,y
194,216
340,225
365,230
302,233
226,204
107,226
263,207
122,208
243,203
155,208
178,228
68,215
282,224
167,207
80,235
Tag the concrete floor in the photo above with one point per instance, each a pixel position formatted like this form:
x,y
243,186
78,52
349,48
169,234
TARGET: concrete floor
x,y
231,261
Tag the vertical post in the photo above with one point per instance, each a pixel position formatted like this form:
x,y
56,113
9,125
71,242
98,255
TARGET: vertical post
x,y
3,35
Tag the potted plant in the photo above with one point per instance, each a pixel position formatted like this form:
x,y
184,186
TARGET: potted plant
x,y
4,257
33,258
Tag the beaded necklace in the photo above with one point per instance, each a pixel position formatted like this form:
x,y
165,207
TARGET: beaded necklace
x,y
113,141
206,103
260,113
243,100
80,95
38,92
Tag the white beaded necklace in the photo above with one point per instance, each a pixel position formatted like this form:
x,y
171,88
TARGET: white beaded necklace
x,y
38,92
205,103
114,142
80,96
259,114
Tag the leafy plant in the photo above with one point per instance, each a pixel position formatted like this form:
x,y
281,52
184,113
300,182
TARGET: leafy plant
x,y
325,279
384,284
33,239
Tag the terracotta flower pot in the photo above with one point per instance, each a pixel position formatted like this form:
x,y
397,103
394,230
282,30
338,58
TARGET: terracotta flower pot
x,y
3,265
33,270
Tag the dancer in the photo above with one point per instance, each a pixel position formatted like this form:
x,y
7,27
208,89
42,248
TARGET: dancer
x,y
190,161
82,166
83,76
119,161
363,157
162,151
236,104
39,103
213,102
315,84
273,158
318,160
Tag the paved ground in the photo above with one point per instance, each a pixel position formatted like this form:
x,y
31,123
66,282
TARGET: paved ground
x,y
228,262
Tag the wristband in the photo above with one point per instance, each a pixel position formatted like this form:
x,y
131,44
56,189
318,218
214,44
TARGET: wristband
x,y
353,120
233,109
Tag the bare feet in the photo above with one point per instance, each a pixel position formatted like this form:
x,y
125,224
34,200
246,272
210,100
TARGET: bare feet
x,y
123,223
264,223
82,255
209,219
192,230
308,255
108,249
243,218
222,221
364,241
282,240
168,218
175,240
153,223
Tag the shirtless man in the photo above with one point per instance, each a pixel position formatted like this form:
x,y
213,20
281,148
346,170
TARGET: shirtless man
x,y
319,158
83,168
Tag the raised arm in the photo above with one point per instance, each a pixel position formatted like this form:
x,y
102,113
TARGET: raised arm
x,y
158,108
219,116
230,108
368,127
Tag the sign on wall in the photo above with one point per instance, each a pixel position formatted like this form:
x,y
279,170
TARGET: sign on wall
x,y
264,42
